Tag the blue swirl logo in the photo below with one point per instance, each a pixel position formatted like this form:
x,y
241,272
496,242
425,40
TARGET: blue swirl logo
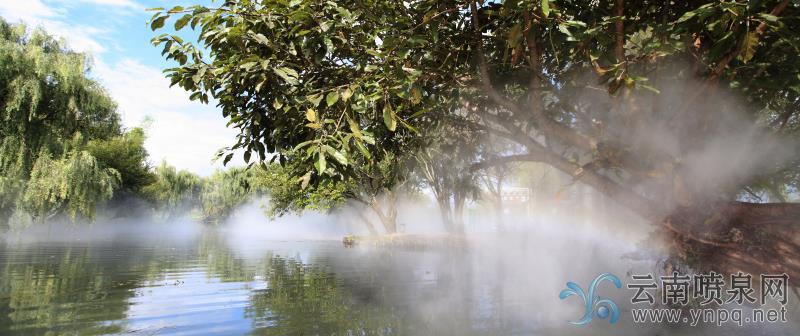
x,y
594,304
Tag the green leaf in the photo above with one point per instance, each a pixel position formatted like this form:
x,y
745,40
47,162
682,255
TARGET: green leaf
x,y
686,17
362,149
336,154
354,127
288,75
322,164
311,115
389,118
324,26
546,8
260,38
314,99
291,72
332,98
180,23
564,29
368,139
408,126
158,22
328,44
575,23
346,94
748,47
768,17
249,65
302,144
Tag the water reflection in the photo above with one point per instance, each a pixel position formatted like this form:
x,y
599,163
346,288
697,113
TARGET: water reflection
x,y
63,289
208,284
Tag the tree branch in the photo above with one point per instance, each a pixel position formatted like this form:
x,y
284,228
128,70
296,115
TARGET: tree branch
x,y
548,126
628,198
619,33
723,63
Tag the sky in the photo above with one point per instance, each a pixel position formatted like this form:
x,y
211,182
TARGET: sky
x,y
186,134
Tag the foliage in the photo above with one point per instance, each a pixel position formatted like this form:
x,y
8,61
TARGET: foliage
x,y
126,154
325,79
287,194
172,189
312,79
308,299
75,183
224,191
49,108
446,167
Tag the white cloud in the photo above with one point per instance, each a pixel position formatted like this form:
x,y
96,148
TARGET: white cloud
x,y
185,133
116,3
36,13
26,10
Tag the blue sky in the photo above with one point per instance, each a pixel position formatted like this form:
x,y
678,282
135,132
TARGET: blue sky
x,y
114,32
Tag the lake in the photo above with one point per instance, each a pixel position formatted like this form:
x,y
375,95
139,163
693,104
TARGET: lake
x,y
205,281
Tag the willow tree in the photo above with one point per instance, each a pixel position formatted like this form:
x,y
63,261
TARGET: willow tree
x,y
673,109
49,109
172,190
225,191
126,154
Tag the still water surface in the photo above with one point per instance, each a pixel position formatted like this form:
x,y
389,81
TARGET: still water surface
x,y
209,285
216,283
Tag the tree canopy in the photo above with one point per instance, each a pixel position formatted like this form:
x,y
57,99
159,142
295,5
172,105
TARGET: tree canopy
x,y
50,109
329,78
674,109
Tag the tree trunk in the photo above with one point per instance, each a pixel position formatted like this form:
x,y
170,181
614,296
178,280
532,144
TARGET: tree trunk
x,y
498,214
445,212
728,237
458,213
368,224
389,217
498,206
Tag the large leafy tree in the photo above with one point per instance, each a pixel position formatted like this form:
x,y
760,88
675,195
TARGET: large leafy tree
x,y
125,154
373,185
677,110
50,109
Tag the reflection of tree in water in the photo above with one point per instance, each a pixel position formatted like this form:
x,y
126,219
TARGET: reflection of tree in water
x,y
86,290
379,293
48,292
221,262
308,300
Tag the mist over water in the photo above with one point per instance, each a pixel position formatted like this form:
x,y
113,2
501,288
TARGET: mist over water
x,y
292,275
